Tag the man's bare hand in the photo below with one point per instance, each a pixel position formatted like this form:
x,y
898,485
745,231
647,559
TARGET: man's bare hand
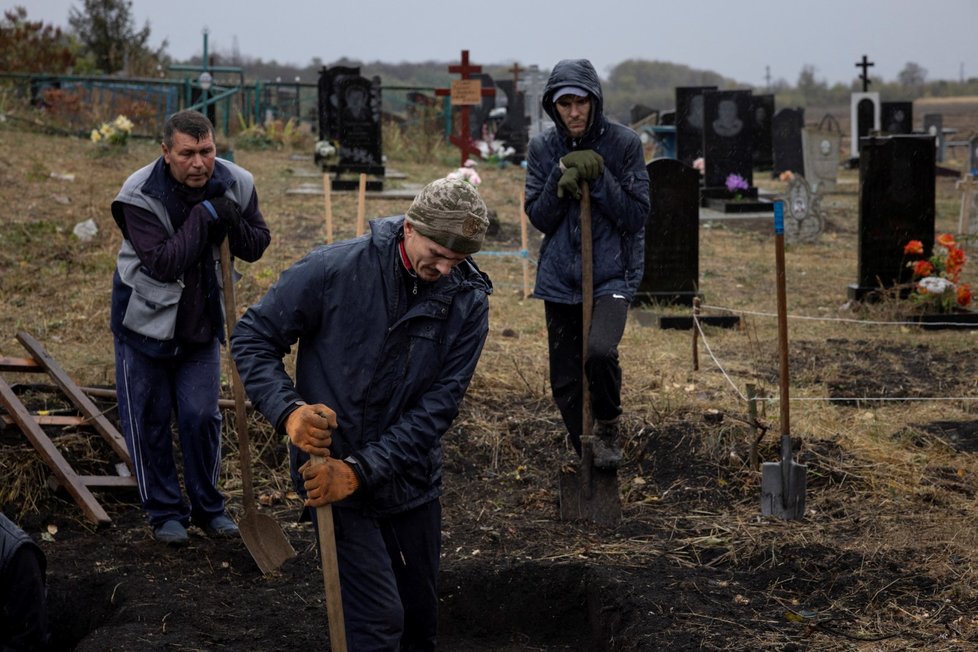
x,y
310,428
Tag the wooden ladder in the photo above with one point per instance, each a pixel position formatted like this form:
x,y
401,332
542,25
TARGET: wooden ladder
x,y
78,486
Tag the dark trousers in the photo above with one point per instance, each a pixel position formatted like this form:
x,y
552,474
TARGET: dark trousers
x,y
23,614
389,577
565,325
150,391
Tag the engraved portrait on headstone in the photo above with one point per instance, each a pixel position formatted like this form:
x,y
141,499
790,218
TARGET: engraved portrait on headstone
x,y
727,123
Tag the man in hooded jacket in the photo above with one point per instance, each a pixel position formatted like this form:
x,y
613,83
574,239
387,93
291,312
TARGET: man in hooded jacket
x,y
583,145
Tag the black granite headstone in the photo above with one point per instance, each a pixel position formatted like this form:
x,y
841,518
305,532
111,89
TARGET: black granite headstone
x,y
672,235
479,113
786,137
728,129
514,130
896,118
934,126
865,117
762,152
329,100
689,122
897,182
350,115
973,155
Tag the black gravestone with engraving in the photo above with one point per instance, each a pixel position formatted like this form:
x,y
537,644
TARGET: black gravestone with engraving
x,y
789,155
350,116
671,235
934,126
329,100
896,205
515,128
689,122
728,129
896,118
762,151
479,113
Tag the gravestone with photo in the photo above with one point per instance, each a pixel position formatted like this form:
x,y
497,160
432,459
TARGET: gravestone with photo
x,y
349,117
762,152
821,151
864,116
897,183
786,136
689,122
727,143
514,131
896,118
934,127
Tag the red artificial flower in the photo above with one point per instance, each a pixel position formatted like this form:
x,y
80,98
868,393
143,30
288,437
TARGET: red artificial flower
x,y
964,294
922,268
914,247
946,240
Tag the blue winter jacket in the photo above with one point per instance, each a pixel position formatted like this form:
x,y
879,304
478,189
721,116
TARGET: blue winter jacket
x,y
619,198
395,376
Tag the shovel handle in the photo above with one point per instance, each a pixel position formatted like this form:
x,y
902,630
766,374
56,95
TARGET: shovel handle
x,y
331,572
782,315
587,302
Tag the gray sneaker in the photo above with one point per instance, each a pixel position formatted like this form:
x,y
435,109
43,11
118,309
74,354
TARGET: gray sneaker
x,y
607,455
172,533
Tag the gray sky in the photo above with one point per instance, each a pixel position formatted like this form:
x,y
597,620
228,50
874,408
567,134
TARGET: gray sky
x,y
740,40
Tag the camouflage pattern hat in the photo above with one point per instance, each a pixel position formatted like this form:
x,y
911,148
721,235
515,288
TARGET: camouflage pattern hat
x,y
451,213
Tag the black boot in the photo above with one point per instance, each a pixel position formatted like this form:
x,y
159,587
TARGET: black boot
x,y
607,455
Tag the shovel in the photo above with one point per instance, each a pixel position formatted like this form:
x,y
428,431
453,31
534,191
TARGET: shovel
x,y
783,483
588,493
262,534
331,572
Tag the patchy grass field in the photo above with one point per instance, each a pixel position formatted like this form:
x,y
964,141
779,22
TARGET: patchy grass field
x,y
884,560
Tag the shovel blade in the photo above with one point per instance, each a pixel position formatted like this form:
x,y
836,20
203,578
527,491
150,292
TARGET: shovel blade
x,y
593,499
265,540
787,502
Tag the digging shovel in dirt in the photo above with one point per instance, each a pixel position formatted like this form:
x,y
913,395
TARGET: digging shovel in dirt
x,y
331,572
262,534
783,483
587,492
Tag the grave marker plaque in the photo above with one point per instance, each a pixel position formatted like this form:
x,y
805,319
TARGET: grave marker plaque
x,y
896,118
786,136
689,122
672,241
934,127
897,183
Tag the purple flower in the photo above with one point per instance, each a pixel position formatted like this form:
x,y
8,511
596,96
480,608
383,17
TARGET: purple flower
x,y
736,182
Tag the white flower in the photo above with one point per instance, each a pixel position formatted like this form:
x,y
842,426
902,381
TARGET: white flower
x,y
934,285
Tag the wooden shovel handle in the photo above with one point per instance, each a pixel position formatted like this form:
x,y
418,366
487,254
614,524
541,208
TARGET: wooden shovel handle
x,y
331,572
587,299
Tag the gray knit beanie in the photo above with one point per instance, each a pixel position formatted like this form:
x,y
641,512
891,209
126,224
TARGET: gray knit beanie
x,y
451,213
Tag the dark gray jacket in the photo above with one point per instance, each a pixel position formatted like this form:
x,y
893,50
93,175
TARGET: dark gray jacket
x,y
619,198
394,372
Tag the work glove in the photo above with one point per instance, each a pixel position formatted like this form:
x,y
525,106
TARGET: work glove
x,y
310,427
226,215
569,183
328,480
588,161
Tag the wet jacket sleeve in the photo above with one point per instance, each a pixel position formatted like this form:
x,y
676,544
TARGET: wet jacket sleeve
x,y
545,210
621,193
251,238
167,257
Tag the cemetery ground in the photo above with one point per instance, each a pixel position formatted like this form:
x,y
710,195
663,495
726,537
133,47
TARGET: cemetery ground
x,y
885,558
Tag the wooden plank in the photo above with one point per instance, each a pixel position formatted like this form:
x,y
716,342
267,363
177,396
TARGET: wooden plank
x,y
50,420
108,481
77,396
51,456
28,365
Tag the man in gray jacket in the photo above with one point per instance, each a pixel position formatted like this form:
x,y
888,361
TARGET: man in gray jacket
x,y
583,145
389,328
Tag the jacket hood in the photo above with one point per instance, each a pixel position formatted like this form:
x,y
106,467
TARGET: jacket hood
x,y
574,72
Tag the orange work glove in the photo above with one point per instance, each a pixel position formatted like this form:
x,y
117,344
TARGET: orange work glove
x,y
310,428
328,480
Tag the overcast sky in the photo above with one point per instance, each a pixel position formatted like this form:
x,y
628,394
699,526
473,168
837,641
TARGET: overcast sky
x,y
741,40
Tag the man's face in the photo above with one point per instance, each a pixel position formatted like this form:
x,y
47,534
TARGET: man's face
x,y
430,260
574,111
191,161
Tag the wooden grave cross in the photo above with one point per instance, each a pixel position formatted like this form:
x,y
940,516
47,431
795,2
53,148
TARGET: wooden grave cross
x,y
465,92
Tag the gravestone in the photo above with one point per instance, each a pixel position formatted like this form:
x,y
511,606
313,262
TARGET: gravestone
x,y
689,122
480,112
672,241
821,147
934,127
727,141
896,118
864,116
514,130
352,119
973,155
897,182
762,152
534,82
786,140
968,217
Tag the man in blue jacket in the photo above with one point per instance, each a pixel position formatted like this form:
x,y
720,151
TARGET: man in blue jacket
x,y
389,328
583,145
168,319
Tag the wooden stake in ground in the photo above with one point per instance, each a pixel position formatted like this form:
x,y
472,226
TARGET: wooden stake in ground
x,y
361,204
328,200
